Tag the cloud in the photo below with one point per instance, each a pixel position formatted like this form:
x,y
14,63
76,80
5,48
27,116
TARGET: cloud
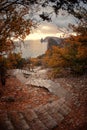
x,y
48,28
57,27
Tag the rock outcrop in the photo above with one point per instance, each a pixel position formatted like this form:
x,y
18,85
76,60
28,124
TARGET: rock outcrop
x,y
52,41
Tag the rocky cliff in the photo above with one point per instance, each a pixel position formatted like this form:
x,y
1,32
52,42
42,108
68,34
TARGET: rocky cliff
x,y
52,41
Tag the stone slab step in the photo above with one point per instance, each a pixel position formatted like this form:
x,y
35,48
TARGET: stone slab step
x,y
65,109
58,102
47,120
29,114
18,121
58,117
36,124
60,106
5,122
33,121
57,110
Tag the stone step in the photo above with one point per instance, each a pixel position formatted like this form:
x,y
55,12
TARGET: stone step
x,y
61,106
33,121
53,113
65,109
52,104
59,102
5,123
57,110
18,121
29,114
36,124
44,117
52,109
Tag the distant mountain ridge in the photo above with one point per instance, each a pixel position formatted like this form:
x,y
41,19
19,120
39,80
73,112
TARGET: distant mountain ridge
x,y
52,41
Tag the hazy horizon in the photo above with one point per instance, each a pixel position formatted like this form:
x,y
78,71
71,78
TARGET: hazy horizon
x,y
32,48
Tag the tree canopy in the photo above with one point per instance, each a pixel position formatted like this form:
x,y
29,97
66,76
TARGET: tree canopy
x,y
71,55
13,24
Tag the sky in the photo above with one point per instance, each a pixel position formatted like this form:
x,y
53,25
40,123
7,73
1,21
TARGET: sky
x,y
58,27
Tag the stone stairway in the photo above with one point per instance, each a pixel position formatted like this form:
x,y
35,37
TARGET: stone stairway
x,y
52,86
43,117
37,79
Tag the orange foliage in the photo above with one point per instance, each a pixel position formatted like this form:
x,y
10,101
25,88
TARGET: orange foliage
x,y
72,54
13,25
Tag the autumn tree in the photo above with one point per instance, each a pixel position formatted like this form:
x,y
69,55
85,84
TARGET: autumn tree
x,y
77,48
13,24
72,54
74,7
3,70
15,61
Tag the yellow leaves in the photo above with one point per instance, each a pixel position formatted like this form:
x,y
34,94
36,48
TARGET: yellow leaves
x,y
27,31
82,52
23,36
13,59
30,23
78,46
73,54
53,57
13,23
83,39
